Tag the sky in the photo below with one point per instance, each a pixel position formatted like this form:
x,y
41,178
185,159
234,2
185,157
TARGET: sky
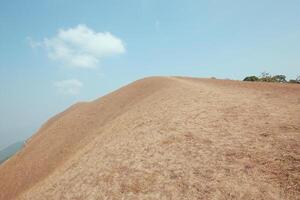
x,y
54,53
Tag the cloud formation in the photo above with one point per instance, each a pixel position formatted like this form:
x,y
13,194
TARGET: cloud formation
x,y
68,87
81,46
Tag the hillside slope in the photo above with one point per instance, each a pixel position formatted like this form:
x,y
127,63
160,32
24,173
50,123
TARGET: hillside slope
x,y
166,138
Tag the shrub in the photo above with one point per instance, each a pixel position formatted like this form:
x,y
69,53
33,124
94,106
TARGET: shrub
x,y
297,80
251,78
266,77
293,81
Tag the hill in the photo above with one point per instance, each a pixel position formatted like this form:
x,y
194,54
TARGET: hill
x,y
9,151
166,138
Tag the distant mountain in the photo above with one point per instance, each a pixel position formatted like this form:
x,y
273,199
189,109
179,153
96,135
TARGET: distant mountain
x,y
10,151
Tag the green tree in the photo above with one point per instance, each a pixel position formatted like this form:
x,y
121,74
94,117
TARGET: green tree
x,y
279,78
251,78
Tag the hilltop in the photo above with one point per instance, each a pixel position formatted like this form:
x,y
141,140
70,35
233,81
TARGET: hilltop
x,y
166,138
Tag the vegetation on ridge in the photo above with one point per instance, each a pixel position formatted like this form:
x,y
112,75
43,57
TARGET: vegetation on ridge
x,y
267,77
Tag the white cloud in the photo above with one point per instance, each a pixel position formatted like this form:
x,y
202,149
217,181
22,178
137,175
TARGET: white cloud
x,y
68,87
81,46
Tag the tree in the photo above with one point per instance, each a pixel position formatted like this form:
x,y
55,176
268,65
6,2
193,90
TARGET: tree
x,y
266,77
251,78
279,78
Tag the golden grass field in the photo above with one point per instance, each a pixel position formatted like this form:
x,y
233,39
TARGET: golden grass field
x,y
166,138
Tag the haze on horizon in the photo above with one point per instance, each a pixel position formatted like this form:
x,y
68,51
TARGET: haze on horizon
x,y
55,53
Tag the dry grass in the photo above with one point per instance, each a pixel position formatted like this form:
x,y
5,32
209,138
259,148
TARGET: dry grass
x,y
166,138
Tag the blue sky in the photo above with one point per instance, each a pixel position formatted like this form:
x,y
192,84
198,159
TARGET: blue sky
x,y
128,40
